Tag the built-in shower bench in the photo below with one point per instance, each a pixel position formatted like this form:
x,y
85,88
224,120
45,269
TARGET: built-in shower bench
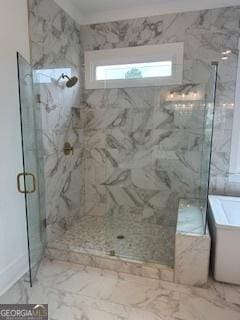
x,y
192,245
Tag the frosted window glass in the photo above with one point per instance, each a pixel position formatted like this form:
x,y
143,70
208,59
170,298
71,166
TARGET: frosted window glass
x,y
134,71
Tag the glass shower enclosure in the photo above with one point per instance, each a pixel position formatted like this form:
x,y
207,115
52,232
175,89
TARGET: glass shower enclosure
x,y
147,157
28,180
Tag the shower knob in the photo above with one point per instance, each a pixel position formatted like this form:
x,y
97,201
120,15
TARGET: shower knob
x,y
67,148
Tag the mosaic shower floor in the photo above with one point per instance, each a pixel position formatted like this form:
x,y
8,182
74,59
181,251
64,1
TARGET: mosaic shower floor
x,y
135,240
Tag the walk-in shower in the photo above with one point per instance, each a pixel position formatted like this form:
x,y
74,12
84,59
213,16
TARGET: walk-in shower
x,y
139,153
146,150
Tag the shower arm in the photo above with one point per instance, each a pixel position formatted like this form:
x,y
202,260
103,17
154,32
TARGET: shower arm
x,y
64,76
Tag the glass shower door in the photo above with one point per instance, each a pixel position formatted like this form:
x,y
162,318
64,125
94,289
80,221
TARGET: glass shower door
x,y
27,181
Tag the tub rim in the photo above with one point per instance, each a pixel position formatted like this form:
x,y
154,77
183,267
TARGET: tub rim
x,y
220,221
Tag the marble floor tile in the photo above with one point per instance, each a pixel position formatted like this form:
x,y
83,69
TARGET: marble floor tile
x,y
75,292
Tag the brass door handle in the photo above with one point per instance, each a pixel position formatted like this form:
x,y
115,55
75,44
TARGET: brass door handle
x,y
34,182
19,184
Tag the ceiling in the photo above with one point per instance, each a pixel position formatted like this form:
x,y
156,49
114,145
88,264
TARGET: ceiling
x,y
93,11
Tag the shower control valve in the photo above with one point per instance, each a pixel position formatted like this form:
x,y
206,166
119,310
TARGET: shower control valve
x,y
67,149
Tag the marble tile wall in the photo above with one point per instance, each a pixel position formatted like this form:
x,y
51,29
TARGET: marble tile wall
x,y
205,35
192,246
192,259
55,44
143,154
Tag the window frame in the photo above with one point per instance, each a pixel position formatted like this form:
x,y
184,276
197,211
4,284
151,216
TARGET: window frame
x,y
234,170
140,54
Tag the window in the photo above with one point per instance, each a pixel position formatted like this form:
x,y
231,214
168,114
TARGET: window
x,y
134,67
134,70
234,175
48,75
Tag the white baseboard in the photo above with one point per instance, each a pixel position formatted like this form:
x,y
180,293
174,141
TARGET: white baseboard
x,y
12,273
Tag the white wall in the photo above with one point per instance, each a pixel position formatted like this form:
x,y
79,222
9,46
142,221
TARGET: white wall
x,y
13,245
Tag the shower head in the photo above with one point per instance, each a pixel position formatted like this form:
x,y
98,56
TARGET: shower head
x,y
71,81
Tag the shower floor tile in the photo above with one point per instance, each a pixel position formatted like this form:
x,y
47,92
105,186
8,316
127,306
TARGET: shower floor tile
x,y
99,235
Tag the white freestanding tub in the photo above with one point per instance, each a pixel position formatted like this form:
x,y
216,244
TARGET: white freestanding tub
x,y
224,225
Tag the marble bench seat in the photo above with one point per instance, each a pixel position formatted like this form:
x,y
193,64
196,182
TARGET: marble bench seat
x,y
192,245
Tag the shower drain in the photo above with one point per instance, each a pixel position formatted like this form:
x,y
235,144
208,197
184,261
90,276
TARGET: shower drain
x,y
120,237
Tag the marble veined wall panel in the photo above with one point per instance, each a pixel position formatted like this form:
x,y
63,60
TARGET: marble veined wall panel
x,y
55,47
206,34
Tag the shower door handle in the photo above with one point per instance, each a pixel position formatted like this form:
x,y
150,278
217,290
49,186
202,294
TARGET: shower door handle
x,y
27,174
